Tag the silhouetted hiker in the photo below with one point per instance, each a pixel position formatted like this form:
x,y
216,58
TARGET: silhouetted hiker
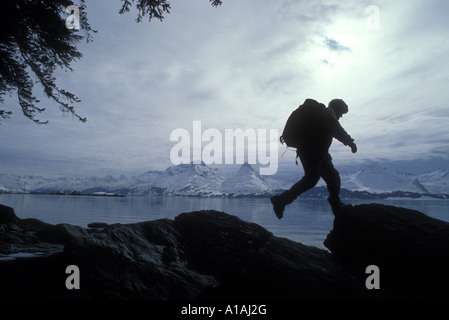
x,y
313,151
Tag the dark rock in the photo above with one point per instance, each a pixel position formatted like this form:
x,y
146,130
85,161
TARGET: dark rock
x,y
249,262
97,225
18,237
410,248
206,254
7,215
213,255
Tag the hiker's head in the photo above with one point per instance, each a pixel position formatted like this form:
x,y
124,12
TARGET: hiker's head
x,y
339,107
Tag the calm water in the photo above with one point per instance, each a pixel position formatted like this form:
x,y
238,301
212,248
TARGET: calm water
x,y
305,221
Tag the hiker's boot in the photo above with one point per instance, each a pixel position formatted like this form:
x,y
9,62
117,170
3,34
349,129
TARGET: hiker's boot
x,y
278,206
335,203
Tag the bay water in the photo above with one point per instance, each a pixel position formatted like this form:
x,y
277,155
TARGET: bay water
x,y
306,220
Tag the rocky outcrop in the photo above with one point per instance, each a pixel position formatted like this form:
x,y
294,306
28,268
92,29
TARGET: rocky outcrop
x,y
410,248
213,255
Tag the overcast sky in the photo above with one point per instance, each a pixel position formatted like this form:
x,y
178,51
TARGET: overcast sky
x,y
246,64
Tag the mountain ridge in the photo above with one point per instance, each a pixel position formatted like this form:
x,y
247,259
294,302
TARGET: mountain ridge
x,y
207,181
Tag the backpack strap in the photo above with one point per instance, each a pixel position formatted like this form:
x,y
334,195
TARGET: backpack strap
x,y
297,154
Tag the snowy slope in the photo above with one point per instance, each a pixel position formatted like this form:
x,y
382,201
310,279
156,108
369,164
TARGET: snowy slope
x,y
184,179
13,183
247,181
436,181
373,178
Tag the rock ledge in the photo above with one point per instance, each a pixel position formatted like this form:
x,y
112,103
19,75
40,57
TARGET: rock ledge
x,y
214,255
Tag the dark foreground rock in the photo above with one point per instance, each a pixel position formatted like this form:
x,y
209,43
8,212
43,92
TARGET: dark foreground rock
x,y
213,255
410,248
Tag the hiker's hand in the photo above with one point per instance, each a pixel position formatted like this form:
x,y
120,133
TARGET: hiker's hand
x,y
353,147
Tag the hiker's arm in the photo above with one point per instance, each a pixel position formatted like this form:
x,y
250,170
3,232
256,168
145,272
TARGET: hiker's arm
x,y
353,147
341,135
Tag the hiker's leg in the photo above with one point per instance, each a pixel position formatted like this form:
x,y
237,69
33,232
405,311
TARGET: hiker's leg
x,y
310,161
332,178
311,165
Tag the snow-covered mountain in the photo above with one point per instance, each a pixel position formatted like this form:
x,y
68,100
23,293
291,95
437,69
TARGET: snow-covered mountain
x,y
185,179
202,180
375,179
436,181
247,181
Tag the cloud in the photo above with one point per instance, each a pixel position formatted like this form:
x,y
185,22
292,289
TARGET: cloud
x,y
246,64
334,45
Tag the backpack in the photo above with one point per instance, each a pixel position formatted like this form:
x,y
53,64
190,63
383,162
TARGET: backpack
x,y
302,123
